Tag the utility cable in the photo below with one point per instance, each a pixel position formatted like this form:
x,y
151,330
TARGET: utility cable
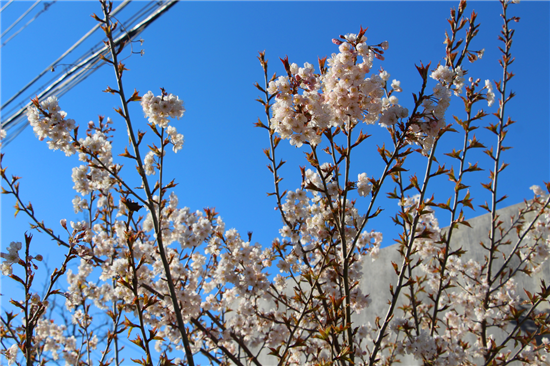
x,y
5,6
140,13
96,27
148,9
46,6
81,71
19,19
127,24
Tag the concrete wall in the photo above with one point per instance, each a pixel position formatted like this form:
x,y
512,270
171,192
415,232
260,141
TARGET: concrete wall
x,y
379,274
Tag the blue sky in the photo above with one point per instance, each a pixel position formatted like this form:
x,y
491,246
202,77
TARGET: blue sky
x,y
205,52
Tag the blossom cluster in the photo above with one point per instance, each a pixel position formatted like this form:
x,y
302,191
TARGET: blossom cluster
x,y
175,138
363,185
537,255
239,263
428,128
340,97
158,108
149,163
315,234
11,354
2,135
96,151
12,256
48,121
490,93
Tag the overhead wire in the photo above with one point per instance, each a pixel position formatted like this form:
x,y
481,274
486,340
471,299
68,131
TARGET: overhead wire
x,y
5,6
98,45
123,26
53,64
52,67
59,88
46,7
79,72
19,19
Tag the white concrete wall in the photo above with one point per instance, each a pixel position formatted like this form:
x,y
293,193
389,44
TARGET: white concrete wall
x,y
379,274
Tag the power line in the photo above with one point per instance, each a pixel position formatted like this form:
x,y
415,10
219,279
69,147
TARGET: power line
x,y
53,64
79,72
19,19
148,9
56,63
5,6
46,7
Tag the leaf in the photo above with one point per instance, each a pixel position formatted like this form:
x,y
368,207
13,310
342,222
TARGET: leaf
x,y
440,170
126,154
459,186
259,87
110,90
132,206
16,303
414,182
134,97
467,201
97,18
460,220
446,206
276,141
140,136
312,187
474,143
530,296
397,168
281,163
119,111
454,154
17,209
472,168
487,186
121,68
310,157
260,124
360,138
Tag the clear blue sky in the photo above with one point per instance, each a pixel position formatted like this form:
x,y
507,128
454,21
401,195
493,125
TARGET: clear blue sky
x,y
205,52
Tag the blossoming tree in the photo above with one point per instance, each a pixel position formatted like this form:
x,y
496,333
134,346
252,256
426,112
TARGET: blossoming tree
x,y
176,282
